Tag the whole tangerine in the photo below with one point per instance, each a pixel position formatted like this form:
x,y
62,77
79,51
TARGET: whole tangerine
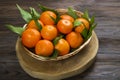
x,y
63,47
74,39
30,37
46,17
64,26
44,48
49,32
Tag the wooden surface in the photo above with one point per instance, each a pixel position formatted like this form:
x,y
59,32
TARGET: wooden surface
x,y
107,12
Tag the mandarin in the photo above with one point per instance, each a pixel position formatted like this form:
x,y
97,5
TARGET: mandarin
x,y
46,17
44,48
64,26
30,37
81,27
63,47
74,39
49,32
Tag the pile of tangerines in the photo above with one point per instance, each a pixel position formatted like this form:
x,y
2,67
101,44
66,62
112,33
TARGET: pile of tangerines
x,y
52,34
42,41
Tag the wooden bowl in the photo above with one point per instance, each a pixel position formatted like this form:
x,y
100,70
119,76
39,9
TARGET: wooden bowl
x,y
62,66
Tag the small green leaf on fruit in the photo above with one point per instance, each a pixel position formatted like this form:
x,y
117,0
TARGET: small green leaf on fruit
x,y
77,23
55,41
90,30
84,33
55,54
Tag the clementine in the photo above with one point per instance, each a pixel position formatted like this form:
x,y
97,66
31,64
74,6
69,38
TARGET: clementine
x,y
30,37
63,47
74,39
64,26
84,24
49,32
46,17
44,48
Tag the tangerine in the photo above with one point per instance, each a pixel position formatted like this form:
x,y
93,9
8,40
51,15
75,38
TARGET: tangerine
x,y
63,47
49,32
30,37
74,39
44,48
46,17
81,27
64,26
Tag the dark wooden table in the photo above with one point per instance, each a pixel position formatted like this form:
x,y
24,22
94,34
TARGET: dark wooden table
x,y
107,12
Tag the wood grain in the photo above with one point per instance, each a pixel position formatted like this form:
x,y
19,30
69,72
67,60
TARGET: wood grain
x,y
107,12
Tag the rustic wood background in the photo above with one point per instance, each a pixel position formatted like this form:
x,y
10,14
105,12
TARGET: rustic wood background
x,y
107,12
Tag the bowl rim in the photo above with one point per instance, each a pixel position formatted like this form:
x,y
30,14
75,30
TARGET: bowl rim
x,y
38,57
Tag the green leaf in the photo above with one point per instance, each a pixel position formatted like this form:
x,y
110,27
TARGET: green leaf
x,y
55,41
57,19
35,18
72,13
84,33
55,54
86,15
92,20
25,15
91,29
35,13
43,8
77,23
53,19
15,29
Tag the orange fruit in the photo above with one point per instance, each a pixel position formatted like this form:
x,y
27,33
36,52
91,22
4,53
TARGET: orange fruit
x,y
30,37
64,26
81,27
49,32
32,24
74,39
63,47
46,17
68,17
44,48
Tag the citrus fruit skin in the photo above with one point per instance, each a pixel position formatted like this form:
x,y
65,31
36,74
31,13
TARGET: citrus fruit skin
x,y
74,39
46,17
64,26
44,48
32,24
81,27
67,17
49,32
63,47
30,37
